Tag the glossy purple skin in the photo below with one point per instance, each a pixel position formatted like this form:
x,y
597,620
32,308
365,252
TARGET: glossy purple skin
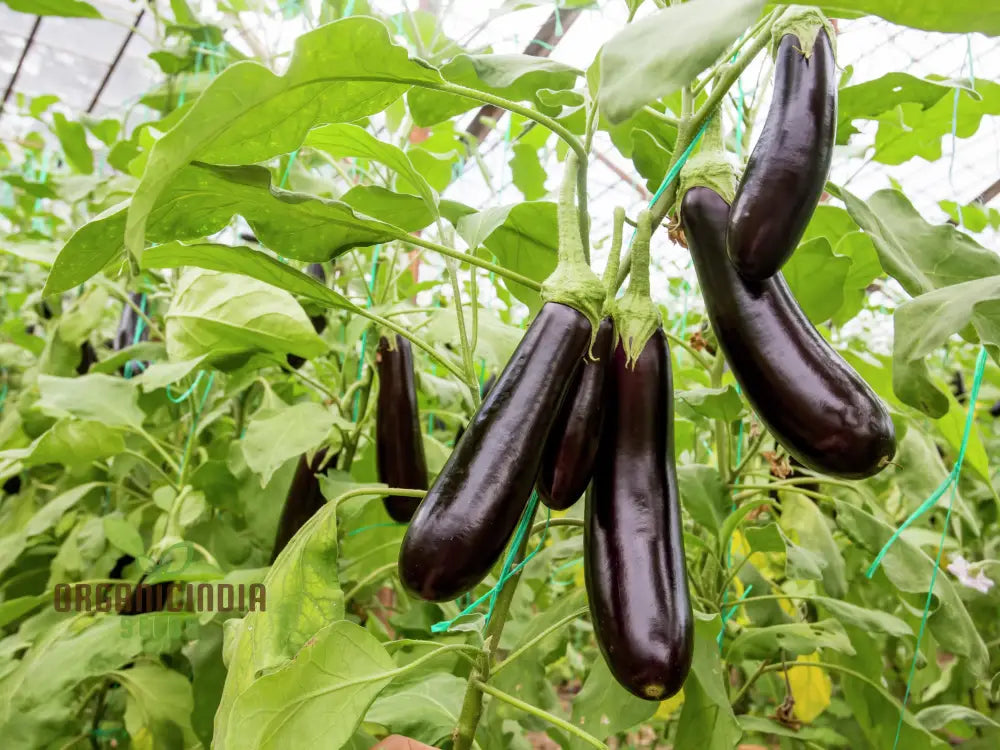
x,y
399,441
788,168
636,578
467,518
568,458
303,501
820,410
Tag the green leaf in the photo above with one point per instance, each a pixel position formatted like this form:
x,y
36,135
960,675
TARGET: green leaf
x,y
936,717
869,620
124,536
157,696
800,563
425,709
604,708
280,434
816,277
303,596
74,442
161,374
522,238
793,638
920,256
909,130
345,140
73,139
405,211
101,398
650,158
868,100
909,570
801,516
865,268
711,403
221,313
248,262
952,426
653,57
324,692
703,494
144,351
61,8
339,72
956,17
49,514
707,720
527,172
92,247
515,77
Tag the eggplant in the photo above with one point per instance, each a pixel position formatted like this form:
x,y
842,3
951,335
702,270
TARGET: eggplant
x,y
399,441
319,322
784,178
470,512
304,499
818,408
88,358
569,453
633,541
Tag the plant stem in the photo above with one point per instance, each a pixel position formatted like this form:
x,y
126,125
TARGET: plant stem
x,y
414,339
750,454
355,437
698,357
662,116
553,522
750,681
470,259
373,576
721,428
755,489
152,464
544,715
472,705
540,637
159,449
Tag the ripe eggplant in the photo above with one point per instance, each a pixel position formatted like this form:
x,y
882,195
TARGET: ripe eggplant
x,y
304,499
787,170
810,399
569,453
468,516
319,322
399,442
88,358
633,541
483,390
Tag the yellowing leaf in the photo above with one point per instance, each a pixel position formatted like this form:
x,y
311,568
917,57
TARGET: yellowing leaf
x,y
669,707
811,687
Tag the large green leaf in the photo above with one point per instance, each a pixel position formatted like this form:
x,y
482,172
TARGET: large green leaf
x,y
515,77
93,246
345,140
323,694
792,639
101,398
801,516
924,324
73,139
425,708
243,260
221,313
868,100
339,72
157,696
816,277
909,570
303,597
707,720
958,16
604,708
277,435
660,54
703,494
62,8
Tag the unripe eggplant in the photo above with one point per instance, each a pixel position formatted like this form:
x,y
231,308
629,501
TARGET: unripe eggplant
x,y
633,540
304,499
820,410
788,168
470,513
399,441
569,453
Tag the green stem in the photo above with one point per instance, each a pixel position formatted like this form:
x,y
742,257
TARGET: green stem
x,y
159,449
750,681
750,454
471,260
553,522
689,349
721,428
472,704
373,576
662,116
543,715
540,637
756,489
152,464
414,339
355,437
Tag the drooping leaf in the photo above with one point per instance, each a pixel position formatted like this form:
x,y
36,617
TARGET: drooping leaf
x,y
707,720
280,434
339,72
604,708
62,8
811,687
711,403
660,54
425,709
816,277
73,139
703,494
101,398
793,638
220,313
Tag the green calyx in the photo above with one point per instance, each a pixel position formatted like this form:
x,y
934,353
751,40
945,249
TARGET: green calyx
x,y
572,283
635,315
709,167
805,23
614,260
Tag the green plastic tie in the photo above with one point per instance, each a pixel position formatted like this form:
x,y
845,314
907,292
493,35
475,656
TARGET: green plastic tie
x,y
140,326
188,392
727,615
676,169
508,571
197,414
